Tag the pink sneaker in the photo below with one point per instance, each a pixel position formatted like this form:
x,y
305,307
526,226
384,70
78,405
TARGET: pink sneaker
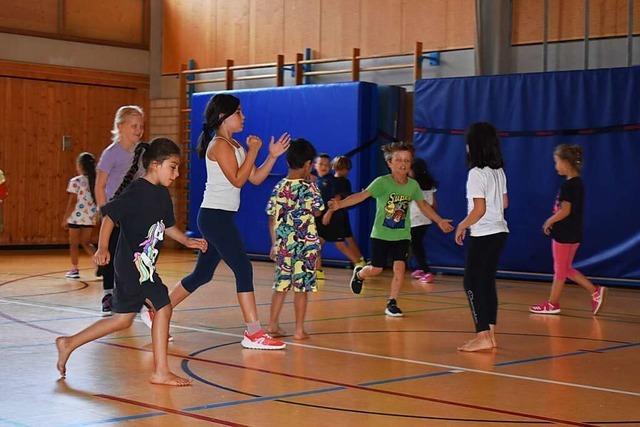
x,y
417,274
261,341
597,298
545,308
426,278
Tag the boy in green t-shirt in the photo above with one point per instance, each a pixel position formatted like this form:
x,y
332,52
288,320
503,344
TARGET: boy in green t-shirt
x,y
391,233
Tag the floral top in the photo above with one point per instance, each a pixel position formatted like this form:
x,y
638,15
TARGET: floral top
x,y
85,211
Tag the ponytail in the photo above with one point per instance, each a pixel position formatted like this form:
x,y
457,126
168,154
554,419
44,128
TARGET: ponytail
x,y
88,165
219,108
140,149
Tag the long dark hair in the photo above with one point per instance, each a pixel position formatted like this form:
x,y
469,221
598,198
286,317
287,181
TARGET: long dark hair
x,y
218,109
88,166
422,175
158,150
484,146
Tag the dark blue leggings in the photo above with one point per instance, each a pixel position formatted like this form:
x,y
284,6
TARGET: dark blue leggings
x,y
220,231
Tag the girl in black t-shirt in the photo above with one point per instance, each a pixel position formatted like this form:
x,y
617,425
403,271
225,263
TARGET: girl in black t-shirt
x,y
565,229
144,214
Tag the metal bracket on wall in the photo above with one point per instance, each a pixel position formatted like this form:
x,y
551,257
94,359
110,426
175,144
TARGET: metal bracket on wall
x,y
433,57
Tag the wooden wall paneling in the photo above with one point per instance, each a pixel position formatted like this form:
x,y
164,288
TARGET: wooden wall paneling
x,y
422,21
339,27
29,15
121,20
380,27
301,27
460,24
266,30
189,32
232,31
36,114
566,19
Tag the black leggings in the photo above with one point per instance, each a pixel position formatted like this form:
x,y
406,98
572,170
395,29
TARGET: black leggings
x,y
417,247
225,243
483,253
107,270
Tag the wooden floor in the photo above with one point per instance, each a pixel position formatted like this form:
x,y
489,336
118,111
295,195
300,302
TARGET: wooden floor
x,y
359,367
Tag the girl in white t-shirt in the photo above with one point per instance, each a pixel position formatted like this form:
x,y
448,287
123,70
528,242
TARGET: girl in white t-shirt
x,y
80,215
486,202
419,222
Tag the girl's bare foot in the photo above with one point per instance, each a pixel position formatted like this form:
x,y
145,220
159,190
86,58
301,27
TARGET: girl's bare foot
x,y
479,343
63,355
492,335
169,379
300,335
276,332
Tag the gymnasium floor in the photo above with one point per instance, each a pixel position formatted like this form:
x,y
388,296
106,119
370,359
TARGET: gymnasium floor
x,y
359,367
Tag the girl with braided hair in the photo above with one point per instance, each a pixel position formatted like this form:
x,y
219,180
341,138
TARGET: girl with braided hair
x,y
143,210
128,127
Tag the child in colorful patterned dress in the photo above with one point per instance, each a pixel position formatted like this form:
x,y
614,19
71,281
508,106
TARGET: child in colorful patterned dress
x,y
292,208
80,215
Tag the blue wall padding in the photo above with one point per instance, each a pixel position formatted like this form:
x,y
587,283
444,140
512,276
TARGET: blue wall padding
x,y
336,118
541,102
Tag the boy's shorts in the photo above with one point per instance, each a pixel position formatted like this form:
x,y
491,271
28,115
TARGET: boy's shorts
x,y
382,250
295,270
129,298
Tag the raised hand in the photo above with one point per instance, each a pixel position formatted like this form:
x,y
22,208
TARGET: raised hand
x,y
279,147
254,143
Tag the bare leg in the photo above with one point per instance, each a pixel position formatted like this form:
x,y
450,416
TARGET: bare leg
x,y
347,252
369,271
66,345
74,241
481,342
398,278
492,335
300,306
319,258
160,336
583,282
355,250
85,237
178,294
277,300
247,302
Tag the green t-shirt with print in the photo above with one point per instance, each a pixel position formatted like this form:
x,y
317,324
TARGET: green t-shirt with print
x,y
393,221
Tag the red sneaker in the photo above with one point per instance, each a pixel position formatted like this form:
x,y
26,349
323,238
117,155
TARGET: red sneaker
x,y
545,308
426,278
597,298
261,341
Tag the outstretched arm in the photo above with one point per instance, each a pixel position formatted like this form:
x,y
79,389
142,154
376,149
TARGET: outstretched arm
x,y
176,234
276,149
430,212
352,200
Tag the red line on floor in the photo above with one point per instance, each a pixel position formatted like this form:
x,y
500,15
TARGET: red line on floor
x,y
169,410
363,388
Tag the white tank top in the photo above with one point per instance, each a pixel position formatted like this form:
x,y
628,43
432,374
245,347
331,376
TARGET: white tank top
x,y
219,193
